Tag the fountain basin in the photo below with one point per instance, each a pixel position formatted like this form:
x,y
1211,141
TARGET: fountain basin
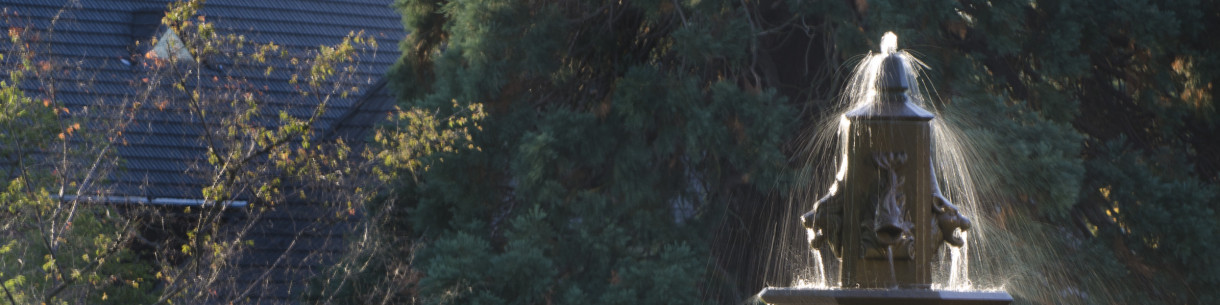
x,y
814,296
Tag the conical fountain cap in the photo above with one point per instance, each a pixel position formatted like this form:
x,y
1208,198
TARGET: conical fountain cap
x,y
892,88
893,75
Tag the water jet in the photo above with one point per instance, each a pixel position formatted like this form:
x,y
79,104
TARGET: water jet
x,y
884,217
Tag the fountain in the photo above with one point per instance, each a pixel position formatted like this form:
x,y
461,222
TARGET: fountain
x,y
884,217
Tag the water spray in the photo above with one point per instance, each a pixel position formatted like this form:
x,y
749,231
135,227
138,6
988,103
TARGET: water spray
x,y
884,217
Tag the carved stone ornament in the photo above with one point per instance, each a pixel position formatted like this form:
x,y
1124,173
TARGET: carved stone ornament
x,y
947,219
891,226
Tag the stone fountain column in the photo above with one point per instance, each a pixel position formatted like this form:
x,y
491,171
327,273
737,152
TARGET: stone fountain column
x,y
886,195
885,218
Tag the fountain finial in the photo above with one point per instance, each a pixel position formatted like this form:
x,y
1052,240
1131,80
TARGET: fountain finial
x,y
892,85
893,67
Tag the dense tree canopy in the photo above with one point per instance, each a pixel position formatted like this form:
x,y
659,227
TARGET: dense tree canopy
x,y
615,135
641,151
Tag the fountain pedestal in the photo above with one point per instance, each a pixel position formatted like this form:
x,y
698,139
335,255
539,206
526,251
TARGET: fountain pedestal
x,y
810,296
885,218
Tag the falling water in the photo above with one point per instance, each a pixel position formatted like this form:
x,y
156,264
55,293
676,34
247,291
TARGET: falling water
x,y
816,278
1006,248
959,270
953,158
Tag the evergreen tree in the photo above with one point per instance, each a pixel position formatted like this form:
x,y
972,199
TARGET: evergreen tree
x,y
619,132
615,135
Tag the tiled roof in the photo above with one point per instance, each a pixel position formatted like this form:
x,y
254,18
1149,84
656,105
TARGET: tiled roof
x,y
93,36
163,148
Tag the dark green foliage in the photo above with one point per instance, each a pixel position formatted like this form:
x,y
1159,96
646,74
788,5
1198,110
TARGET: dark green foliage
x,y
619,133
1035,159
614,135
1160,211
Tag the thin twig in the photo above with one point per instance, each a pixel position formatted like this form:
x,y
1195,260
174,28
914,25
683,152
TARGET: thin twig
x,y
8,293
